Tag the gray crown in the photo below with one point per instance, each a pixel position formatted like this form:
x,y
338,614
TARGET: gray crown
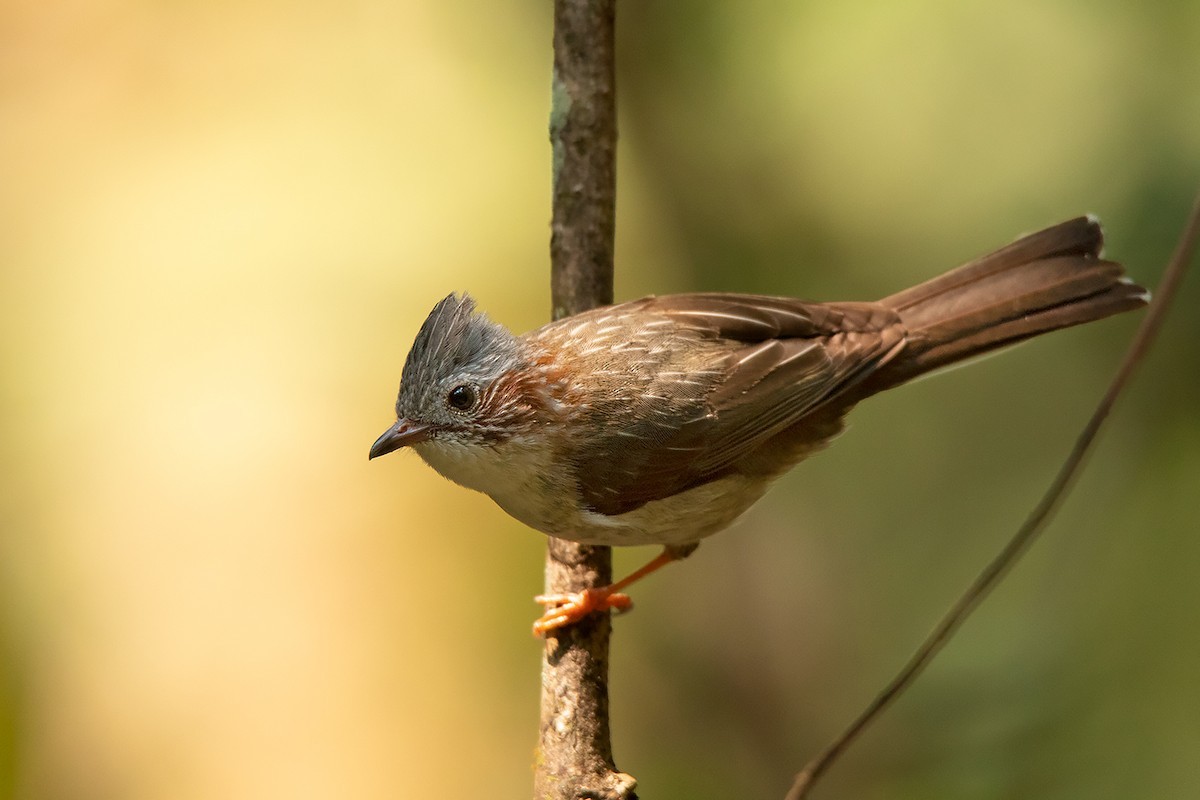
x,y
454,345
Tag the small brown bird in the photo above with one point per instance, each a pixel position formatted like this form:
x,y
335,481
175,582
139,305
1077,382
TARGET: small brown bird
x,y
661,420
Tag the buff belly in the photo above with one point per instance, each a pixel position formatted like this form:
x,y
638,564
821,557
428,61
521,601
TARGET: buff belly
x,y
518,478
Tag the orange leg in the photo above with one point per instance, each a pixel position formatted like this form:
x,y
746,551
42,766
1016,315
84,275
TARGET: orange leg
x,y
567,609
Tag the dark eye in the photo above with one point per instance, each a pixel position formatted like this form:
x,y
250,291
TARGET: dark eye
x,y
462,397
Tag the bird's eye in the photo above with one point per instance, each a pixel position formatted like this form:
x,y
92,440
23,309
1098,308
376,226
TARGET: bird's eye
x,y
462,398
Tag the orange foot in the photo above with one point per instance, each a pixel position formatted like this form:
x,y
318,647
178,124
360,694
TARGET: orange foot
x,y
567,609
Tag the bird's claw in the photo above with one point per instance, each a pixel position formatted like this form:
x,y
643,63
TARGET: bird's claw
x,y
567,609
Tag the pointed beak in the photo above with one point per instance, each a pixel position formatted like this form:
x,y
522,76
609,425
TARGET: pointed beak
x,y
402,434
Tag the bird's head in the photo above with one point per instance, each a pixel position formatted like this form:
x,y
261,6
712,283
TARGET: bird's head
x,y
467,382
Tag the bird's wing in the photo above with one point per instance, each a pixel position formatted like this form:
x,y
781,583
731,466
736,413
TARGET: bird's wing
x,y
764,363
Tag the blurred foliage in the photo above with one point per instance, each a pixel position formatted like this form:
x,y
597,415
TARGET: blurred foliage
x,y
222,223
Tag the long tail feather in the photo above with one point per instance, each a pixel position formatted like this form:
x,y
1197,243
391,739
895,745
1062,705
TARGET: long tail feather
x,y
1045,281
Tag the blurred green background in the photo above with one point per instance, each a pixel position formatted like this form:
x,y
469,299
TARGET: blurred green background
x,y
222,223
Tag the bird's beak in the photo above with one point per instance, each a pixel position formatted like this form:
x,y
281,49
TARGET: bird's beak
x,y
402,434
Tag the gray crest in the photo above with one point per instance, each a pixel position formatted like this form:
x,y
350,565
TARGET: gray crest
x,y
455,345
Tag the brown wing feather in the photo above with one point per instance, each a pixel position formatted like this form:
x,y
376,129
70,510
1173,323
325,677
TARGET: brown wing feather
x,y
748,382
729,373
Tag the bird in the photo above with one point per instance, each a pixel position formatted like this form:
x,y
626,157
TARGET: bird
x,y
661,420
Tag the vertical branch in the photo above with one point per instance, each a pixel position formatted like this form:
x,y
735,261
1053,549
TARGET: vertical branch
x,y
583,135
574,750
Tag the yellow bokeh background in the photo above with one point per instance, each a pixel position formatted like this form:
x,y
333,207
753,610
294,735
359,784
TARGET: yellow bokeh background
x,y
221,225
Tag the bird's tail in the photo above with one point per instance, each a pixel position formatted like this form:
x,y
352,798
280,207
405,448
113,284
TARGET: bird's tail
x,y
1048,280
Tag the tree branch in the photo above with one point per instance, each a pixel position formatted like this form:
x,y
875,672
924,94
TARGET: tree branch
x,y
1033,526
574,749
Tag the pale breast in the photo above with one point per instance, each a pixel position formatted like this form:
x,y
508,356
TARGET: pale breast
x,y
519,479
516,474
